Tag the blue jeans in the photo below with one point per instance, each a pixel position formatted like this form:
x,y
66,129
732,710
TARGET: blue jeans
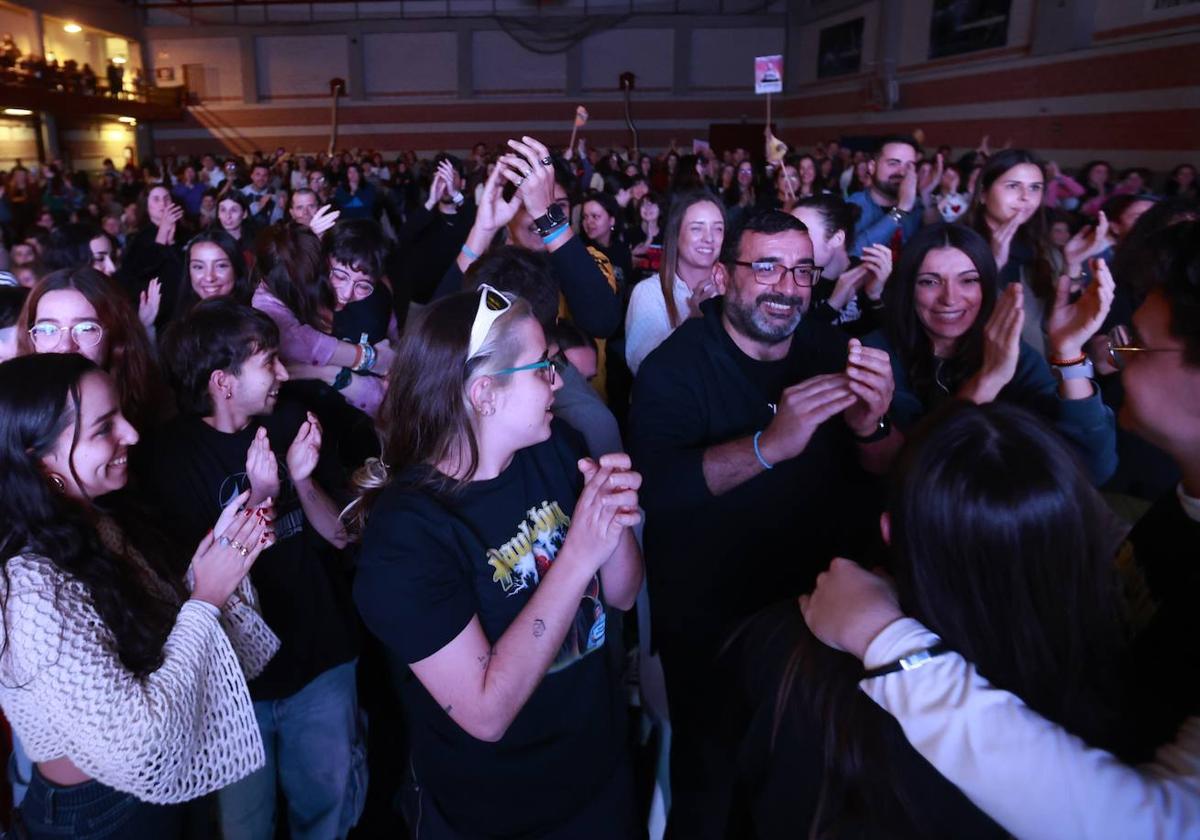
x,y
93,811
315,754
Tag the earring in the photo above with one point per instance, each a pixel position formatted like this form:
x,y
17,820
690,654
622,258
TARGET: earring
x,y
486,411
229,395
59,484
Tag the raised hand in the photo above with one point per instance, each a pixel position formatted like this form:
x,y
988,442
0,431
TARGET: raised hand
x,y
166,227
494,212
148,303
262,468
869,376
305,451
606,507
802,409
878,261
531,168
927,186
1002,238
710,288
850,606
437,188
226,553
1070,325
325,218
1001,347
1087,243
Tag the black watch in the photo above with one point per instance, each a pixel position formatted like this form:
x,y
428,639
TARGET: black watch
x,y
881,431
554,219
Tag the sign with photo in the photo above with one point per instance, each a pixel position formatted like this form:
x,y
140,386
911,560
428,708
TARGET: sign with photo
x,y
768,74
839,52
963,26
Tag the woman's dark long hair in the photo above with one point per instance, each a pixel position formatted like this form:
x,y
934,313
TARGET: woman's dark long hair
x,y
904,329
39,401
1033,237
288,262
1000,545
130,358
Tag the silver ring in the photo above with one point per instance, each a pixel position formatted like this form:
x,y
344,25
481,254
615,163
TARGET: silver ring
x,y
547,161
239,547
224,541
522,181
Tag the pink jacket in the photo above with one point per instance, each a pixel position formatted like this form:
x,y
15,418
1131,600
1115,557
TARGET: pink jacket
x,y
304,345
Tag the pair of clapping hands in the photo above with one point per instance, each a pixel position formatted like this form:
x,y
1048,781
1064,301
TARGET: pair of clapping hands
x,y
862,393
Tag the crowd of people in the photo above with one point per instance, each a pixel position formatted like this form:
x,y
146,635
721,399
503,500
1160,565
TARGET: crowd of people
x,y
68,76
295,444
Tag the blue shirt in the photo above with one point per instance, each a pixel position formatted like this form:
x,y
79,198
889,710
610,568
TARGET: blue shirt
x,y
876,227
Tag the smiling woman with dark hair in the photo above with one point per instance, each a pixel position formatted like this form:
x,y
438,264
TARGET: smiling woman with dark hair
x,y
126,690
951,334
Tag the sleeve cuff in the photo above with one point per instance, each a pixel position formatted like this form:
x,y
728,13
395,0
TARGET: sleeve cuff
x,y
900,638
211,609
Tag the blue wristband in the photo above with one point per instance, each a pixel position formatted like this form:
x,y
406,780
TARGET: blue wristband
x,y
758,453
554,234
466,249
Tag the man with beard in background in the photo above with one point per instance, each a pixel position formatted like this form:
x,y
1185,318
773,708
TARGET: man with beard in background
x,y
891,212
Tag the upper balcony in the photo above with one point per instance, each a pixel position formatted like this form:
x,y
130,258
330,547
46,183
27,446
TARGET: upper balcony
x,y
69,90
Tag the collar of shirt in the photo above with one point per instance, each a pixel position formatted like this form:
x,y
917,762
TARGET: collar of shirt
x,y
1190,505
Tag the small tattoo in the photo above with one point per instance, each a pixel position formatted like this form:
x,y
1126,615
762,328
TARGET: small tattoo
x,y
312,495
447,708
539,628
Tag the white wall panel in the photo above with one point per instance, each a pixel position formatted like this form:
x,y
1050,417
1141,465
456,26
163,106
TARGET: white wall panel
x,y
300,66
648,53
504,66
723,59
411,62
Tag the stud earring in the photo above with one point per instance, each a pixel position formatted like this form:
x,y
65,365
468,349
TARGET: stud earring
x,y
59,483
229,395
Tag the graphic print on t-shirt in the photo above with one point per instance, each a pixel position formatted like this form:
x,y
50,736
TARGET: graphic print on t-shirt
x,y
521,562
289,516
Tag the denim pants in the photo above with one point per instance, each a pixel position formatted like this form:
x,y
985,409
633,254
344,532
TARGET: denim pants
x,y
93,811
315,754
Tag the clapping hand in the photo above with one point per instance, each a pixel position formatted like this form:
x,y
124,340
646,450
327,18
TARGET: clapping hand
x,y
802,409
1087,243
226,553
149,302
930,183
531,168
1070,325
494,211
262,468
878,261
606,507
305,451
869,377
166,227
1001,346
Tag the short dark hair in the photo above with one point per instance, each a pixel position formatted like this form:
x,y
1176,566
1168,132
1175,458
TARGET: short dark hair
x,y
1170,264
906,139
768,221
216,334
360,244
258,164
524,273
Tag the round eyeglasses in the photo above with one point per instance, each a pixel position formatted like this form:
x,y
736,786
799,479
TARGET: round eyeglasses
x,y
47,336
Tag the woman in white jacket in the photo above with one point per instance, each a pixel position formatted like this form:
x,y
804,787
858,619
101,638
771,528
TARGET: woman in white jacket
x,y
127,691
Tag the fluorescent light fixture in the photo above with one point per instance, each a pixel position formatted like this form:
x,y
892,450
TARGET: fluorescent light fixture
x,y
18,112
129,120
72,28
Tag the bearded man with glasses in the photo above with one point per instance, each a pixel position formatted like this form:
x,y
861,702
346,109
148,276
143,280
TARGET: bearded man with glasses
x,y
752,426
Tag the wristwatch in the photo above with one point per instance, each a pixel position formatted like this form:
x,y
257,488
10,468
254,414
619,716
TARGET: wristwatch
x,y
554,219
881,431
897,214
1079,370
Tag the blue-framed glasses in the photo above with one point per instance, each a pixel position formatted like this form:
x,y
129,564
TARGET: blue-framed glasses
x,y
553,368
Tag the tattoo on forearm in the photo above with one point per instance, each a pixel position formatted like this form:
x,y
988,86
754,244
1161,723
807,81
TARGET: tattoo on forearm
x,y
539,628
485,659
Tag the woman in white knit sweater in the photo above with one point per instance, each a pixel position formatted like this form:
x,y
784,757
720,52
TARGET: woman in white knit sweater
x,y
129,695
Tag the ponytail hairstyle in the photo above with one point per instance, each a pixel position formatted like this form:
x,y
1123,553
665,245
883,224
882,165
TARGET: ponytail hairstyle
x,y
836,214
670,257
128,356
288,262
39,401
426,416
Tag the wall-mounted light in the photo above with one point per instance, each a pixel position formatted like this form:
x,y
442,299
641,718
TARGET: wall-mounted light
x,y
18,112
72,28
127,120
118,59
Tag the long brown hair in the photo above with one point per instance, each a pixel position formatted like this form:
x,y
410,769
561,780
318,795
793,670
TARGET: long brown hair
x,y
426,416
288,262
128,357
670,258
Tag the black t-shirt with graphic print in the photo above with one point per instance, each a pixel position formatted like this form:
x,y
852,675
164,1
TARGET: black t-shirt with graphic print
x,y
303,586
428,565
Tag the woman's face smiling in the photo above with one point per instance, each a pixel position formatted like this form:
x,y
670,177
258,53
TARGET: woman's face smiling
x,y
99,462
947,298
